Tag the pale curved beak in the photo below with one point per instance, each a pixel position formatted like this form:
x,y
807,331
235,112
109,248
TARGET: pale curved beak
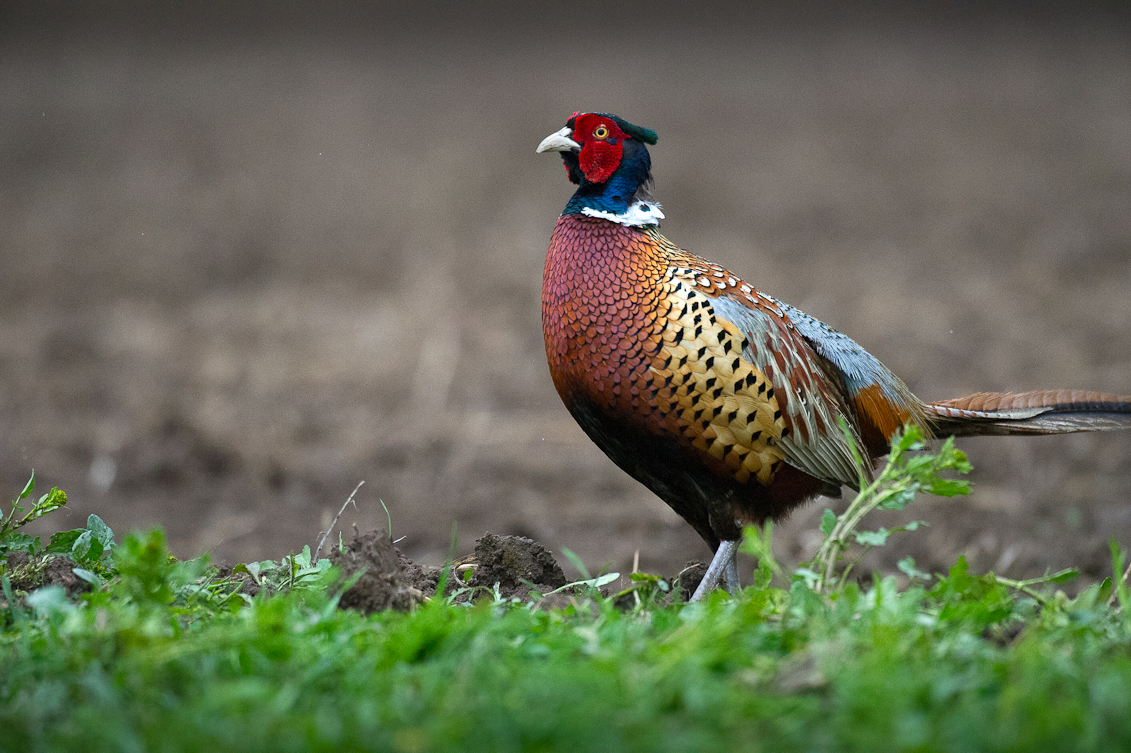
x,y
558,142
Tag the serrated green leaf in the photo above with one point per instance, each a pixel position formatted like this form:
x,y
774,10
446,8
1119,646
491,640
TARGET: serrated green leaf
x,y
828,521
907,566
941,487
809,577
100,531
86,575
86,547
19,542
63,542
1088,598
872,538
95,551
910,439
82,544
898,499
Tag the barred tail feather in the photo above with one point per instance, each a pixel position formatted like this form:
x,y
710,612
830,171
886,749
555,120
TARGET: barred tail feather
x,y
1041,412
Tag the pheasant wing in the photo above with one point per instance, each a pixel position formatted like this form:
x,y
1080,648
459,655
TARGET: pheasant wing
x,y
810,401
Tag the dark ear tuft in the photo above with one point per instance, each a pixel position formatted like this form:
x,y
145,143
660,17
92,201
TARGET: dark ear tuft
x,y
647,135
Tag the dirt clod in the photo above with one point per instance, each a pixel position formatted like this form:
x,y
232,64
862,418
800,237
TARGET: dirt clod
x,y
248,585
515,563
392,581
29,573
383,583
421,577
689,578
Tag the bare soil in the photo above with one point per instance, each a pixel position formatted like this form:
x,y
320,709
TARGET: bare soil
x,y
248,262
27,573
381,580
504,567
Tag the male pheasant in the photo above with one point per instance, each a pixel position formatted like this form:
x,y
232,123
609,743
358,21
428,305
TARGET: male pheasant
x,y
723,400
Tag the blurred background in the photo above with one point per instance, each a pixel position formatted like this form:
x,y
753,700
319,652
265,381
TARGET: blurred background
x,y
253,253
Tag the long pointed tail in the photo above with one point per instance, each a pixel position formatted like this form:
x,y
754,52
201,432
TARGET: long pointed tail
x,y
1042,412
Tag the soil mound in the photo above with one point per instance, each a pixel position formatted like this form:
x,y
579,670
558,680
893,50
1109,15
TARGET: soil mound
x,y
29,573
517,564
383,581
389,580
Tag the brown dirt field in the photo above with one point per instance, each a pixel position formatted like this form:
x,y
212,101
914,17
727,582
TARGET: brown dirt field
x,y
246,263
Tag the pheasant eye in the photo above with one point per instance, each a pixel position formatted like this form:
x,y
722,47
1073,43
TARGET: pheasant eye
x,y
601,132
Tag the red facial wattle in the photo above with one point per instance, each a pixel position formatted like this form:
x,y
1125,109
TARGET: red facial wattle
x,y
602,146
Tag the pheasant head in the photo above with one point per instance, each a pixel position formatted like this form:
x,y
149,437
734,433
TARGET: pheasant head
x,y
607,157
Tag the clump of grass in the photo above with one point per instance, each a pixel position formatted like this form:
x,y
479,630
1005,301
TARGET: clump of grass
x,y
174,656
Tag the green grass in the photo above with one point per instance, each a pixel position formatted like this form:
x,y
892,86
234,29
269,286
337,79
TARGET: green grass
x,y
165,655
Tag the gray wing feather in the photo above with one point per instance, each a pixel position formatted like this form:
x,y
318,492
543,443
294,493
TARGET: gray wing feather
x,y
805,393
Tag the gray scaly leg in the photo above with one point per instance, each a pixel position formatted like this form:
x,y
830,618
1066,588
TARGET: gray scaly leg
x,y
721,566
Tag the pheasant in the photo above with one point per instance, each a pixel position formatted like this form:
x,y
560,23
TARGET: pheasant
x,y
721,399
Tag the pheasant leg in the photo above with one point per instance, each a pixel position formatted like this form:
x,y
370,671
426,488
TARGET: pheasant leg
x,y
722,566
